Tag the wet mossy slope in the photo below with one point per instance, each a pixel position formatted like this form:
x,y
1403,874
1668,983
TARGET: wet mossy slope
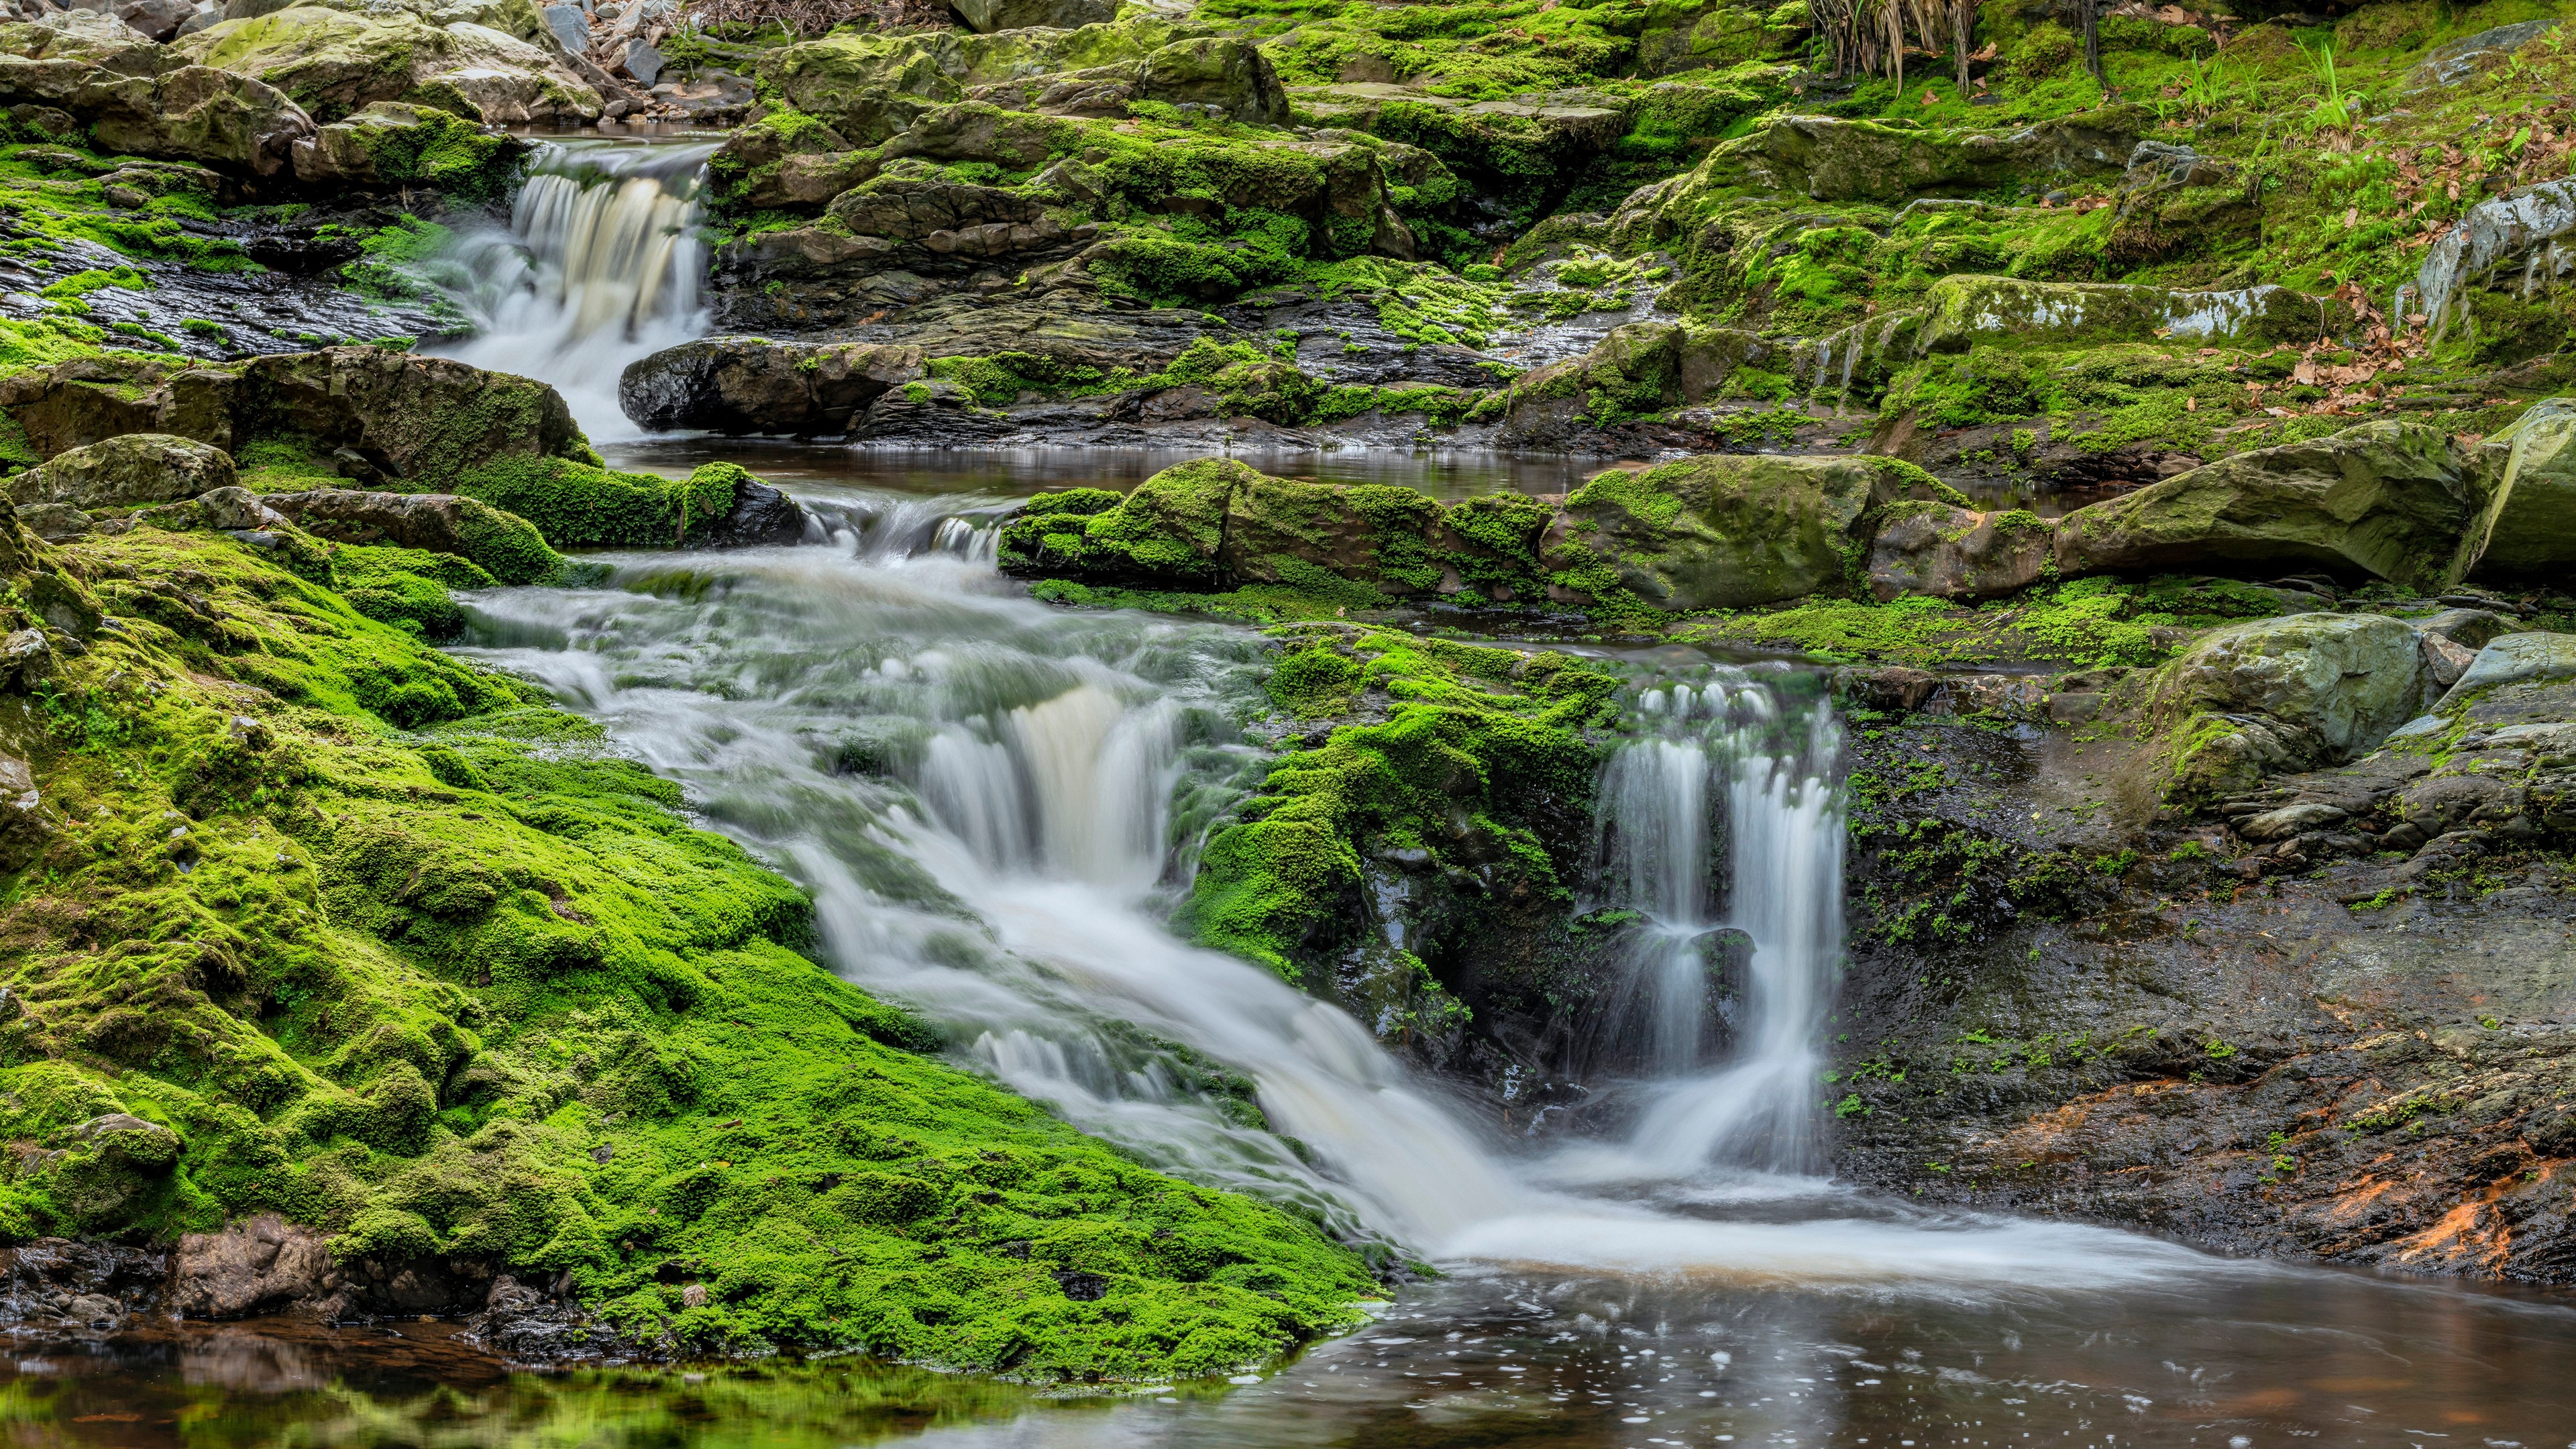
x,y
313,919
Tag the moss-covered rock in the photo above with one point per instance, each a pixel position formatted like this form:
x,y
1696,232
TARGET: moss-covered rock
x,y
333,62
1826,158
394,143
2392,499
1723,531
123,471
143,105
2528,527
754,385
2278,694
341,929
869,86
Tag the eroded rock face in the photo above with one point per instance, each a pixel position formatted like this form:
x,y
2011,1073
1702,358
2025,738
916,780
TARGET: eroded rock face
x,y
334,62
124,471
2528,527
1956,553
2389,498
255,1263
752,385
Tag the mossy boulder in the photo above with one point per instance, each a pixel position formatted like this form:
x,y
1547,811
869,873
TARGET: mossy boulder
x,y
1961,312
501,544
868,86
2286,693
2528,527
125,471
145,103
2391,499
1639,369
334,62
1827,158
1926,547
1722,531
395,143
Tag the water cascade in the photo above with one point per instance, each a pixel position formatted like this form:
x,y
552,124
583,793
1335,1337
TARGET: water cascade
x,y
600,266
977,788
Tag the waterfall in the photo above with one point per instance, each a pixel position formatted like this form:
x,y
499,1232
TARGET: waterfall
x,y
599,266
1004,874
1782,847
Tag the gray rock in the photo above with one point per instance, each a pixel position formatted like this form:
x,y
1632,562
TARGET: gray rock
x,y
987,16
2516,659
2505,241
2460,59
207,16
2528,527
2292,820
124,471
238,507
643,62
2469,628
158,19
2270,695
569,25
54,522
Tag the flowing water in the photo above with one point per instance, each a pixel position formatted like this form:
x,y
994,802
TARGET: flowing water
x,y
995,804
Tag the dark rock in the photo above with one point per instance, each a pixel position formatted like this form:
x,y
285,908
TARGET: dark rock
x,y
1083,1287
762,517
752,385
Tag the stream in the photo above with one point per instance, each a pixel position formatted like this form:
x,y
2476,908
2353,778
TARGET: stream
x,y
995,804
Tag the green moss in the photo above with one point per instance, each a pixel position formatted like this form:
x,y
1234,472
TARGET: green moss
x,y
423,964
580,505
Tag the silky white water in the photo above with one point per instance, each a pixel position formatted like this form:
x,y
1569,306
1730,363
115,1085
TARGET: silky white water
x,y
598,268
978,789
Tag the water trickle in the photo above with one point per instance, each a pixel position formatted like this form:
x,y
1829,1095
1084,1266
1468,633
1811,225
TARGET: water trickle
x,y
599,267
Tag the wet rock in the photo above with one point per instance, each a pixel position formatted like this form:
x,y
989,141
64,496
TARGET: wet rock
x,y
1831,159
2470,628
1893,688
344,153
1639,367
2444,661
2272,695
2505,243
2529,524
41,1279
1721,531
988,16
506,546
1083,1287
1960,312
2514,659
2293,820
124,471
254,1263
762,517
869,88
238,508
2389,498
752,385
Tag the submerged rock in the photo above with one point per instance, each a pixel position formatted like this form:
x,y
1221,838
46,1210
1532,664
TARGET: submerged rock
x,y
753,385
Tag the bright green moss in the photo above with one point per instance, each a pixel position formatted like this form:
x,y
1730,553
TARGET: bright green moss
x,y
579,505
392,949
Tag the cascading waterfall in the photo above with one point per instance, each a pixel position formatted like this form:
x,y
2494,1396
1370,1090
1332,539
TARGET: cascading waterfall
x,y
1000,862
599,267
1782,845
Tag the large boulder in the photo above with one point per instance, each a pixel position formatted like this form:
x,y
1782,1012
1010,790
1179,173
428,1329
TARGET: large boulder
x,y
141,99
2503,243
2529,524
1722,531
506,546
334,62
2387,498
869,86
2286,693
425,420
395,143
753,385
1828,158
125,471
988,16
1945,551
2525,660
1637,369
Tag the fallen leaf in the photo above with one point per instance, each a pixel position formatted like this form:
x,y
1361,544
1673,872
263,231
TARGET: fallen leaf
x,y
2351,214
1931,98
2191,405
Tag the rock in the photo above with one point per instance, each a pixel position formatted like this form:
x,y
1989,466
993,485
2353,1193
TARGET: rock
x,y
762,517
1639,367
505,545
2388,498
238,508
870,86
334,62
2271,694
345,152
124,471
54,522
207,16
2467,627
1953,553
187,113
1722,531
2451,64
1961,311
642,62
2514,659
157,19
1225,75
2292,820
2507,242
2529,524
571,26
740,385
1827,158
254,1263
988,16
25,658
131,1140
27,829
2444,661
94,1310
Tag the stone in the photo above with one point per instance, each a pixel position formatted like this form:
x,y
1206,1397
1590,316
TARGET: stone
x,y
131,1140
1962,311
95,1310
187,112
2388,498
1827,158
1722,531
238,508
737,385
333,61
2470,628
1225,74
2528,527
254,1263
54,522
1955,553
2444,661
643,62
2514,659
571,26
2456,62
344,153
157,19
505,545
2292,820
2509,242
27,830
988,16
870,86
124,471
25,658
425,420
2346,681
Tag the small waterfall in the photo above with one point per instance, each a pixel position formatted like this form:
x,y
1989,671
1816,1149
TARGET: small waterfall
x,y
599,267
1782,851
